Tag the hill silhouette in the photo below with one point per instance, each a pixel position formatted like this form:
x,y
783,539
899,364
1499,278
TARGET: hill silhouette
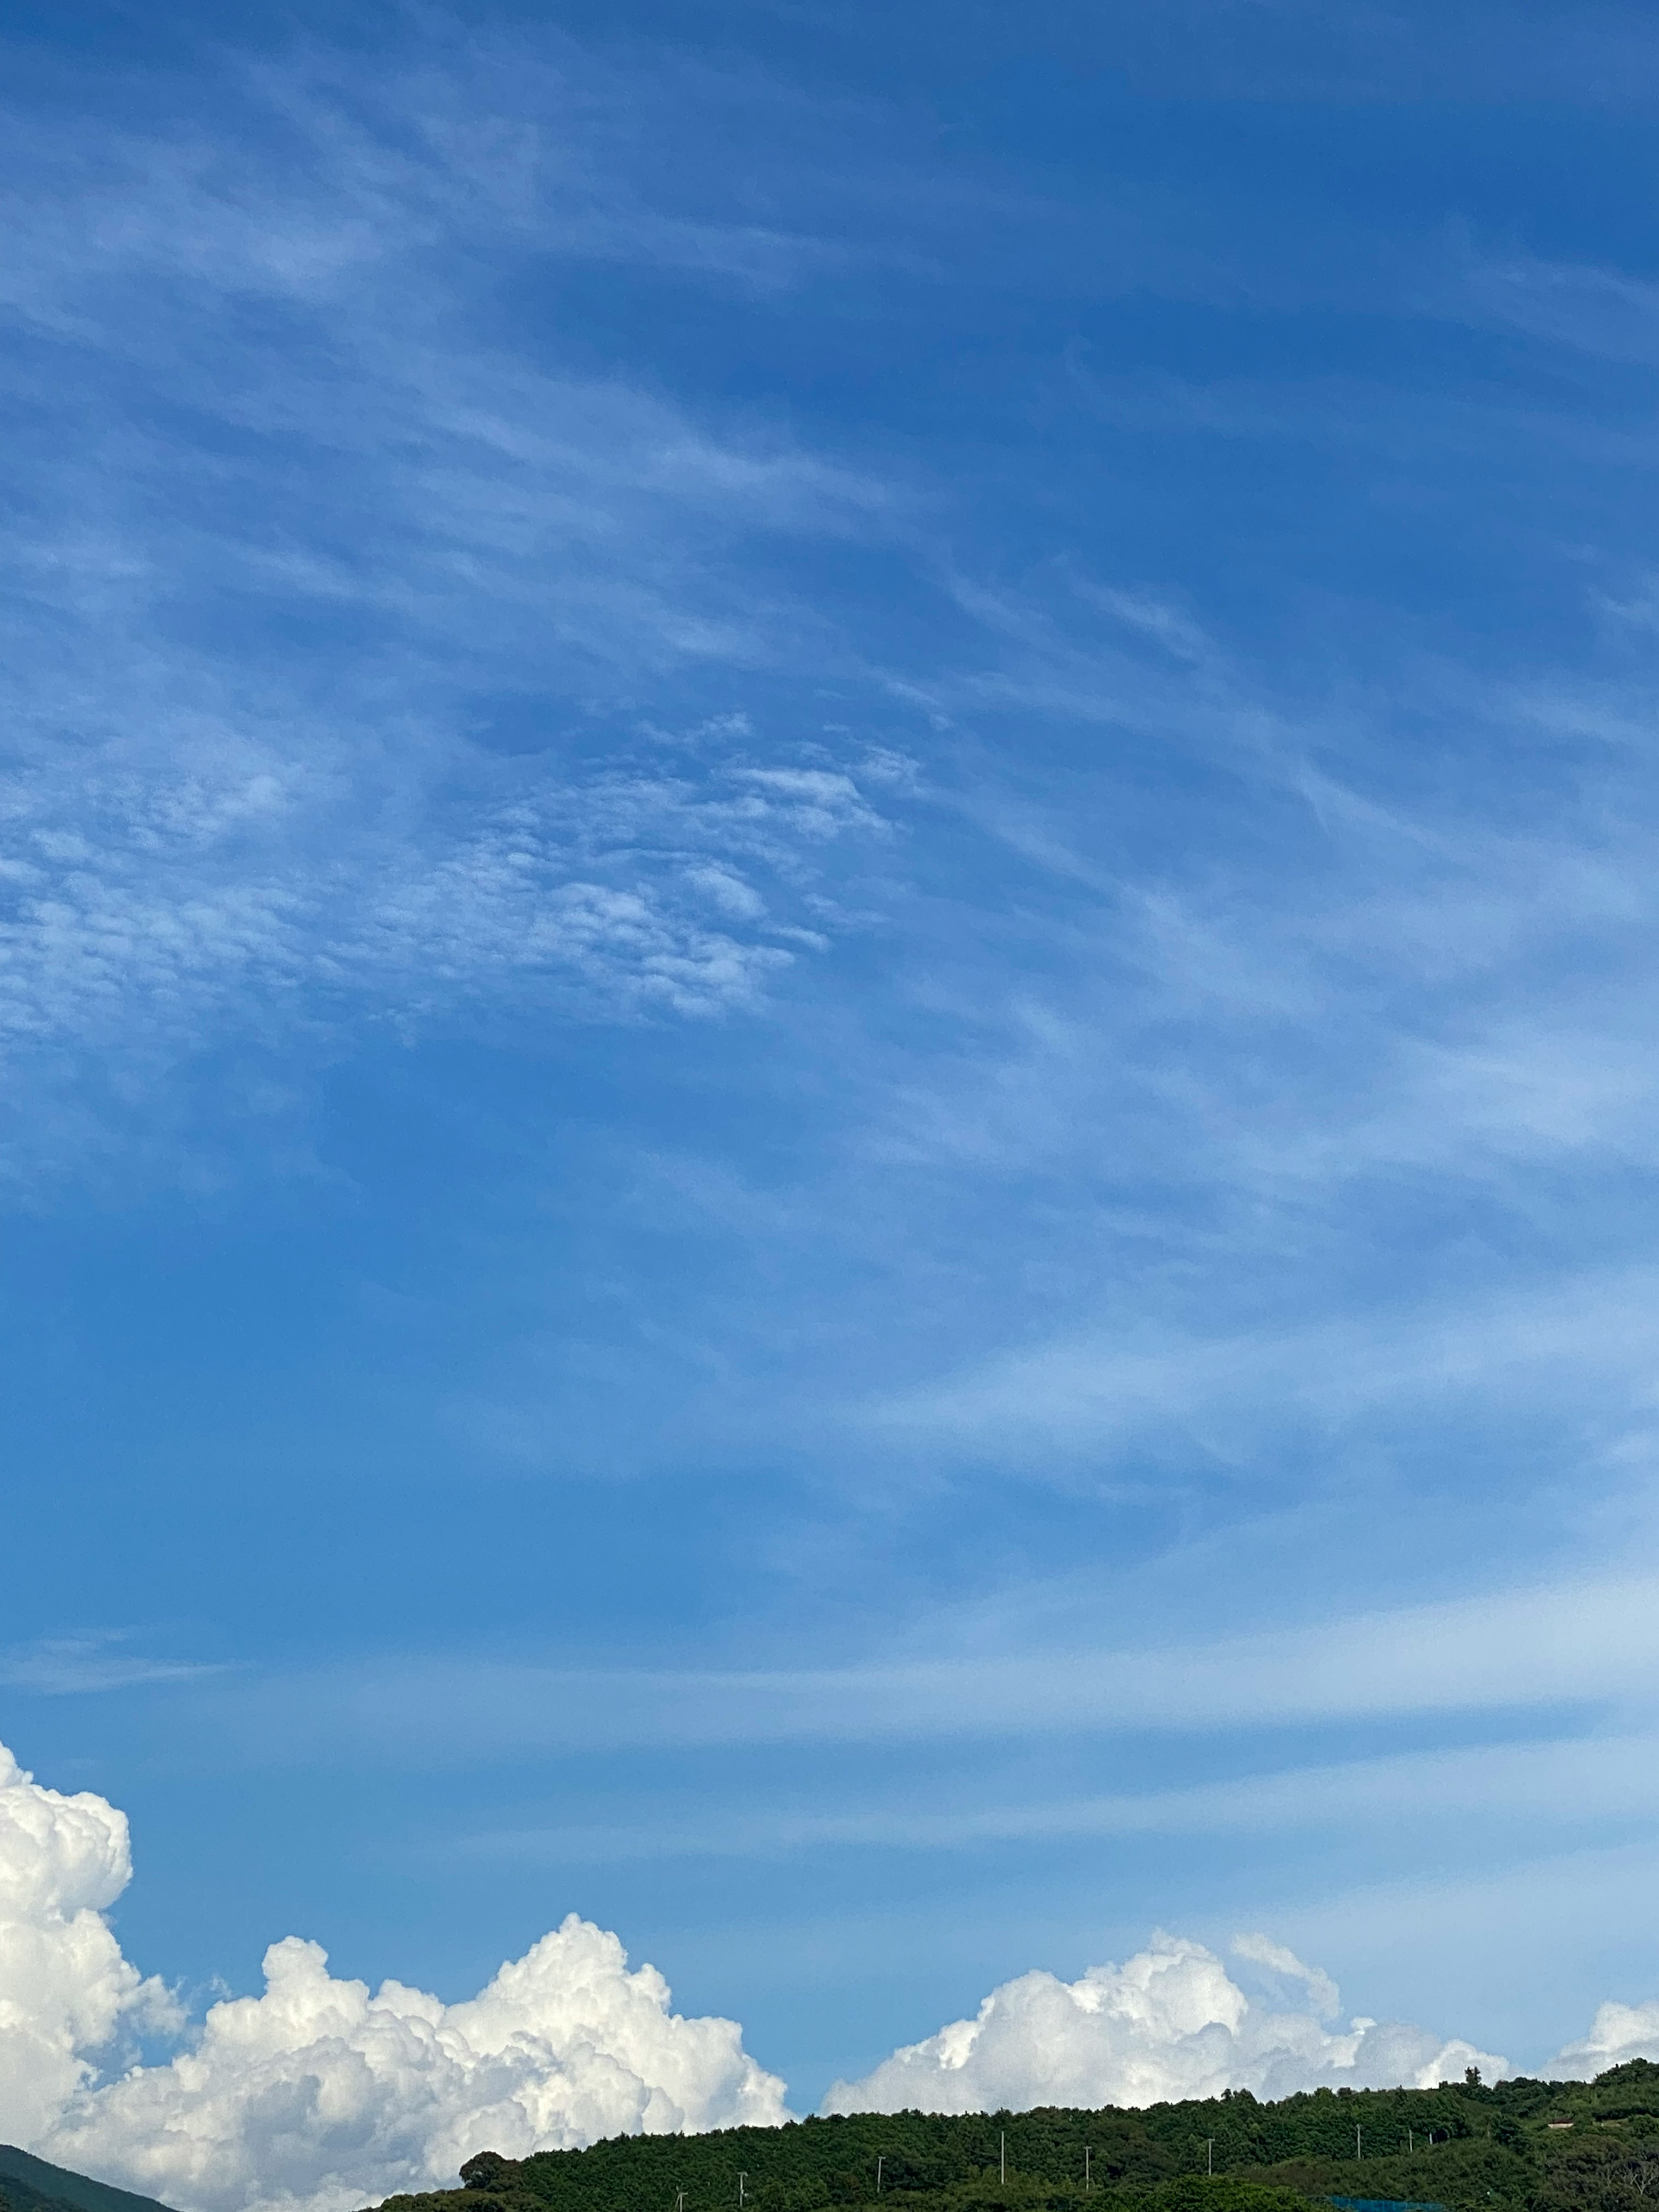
x,y
29,2184
1530,2145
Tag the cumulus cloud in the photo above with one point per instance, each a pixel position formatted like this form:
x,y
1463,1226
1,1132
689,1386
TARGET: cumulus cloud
x,y
1618,2031
318,2093
66,1993
1170,2022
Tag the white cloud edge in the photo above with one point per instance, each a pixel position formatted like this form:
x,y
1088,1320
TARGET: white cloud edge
x,y
1168,2023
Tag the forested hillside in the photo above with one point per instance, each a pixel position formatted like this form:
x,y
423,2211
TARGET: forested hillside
x,y
29,2184
1534,2146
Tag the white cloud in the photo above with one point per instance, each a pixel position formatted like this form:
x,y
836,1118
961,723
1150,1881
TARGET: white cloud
x,y
1280,1958
65,1991
318,2093
1170,2022
1618,2031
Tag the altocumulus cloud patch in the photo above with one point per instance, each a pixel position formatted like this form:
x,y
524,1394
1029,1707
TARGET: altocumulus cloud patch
x,y
450,793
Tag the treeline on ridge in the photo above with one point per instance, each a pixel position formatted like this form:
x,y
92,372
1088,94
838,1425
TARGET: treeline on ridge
x,y
1521,2146
29,2184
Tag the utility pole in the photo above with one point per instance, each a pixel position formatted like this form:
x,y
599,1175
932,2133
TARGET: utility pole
x,y
1002,2141
1087,2184
742,2178
879,2163
1356,2143
1209,2153
679,2202
1410,2144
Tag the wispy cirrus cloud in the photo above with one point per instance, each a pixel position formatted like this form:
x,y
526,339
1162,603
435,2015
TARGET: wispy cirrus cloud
x,y
1572,1646
1557,1787
1559,1343
320,635
332,652
87,1665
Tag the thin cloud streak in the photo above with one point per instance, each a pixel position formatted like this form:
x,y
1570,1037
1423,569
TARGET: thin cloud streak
x,y
1557,1343
1554,1788
1582,1645
72,1667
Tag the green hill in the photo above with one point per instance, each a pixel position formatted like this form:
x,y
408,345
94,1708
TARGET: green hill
x,y
1520,2145
30,2185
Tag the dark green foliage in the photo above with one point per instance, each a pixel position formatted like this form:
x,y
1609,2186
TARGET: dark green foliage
x,y
1468,2146
31,2185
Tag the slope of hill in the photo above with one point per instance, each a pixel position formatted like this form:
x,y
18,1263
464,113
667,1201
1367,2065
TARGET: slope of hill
x,y
1527,2146
30,2185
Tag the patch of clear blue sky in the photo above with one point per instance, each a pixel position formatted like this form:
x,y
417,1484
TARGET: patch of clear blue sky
x,y
832,847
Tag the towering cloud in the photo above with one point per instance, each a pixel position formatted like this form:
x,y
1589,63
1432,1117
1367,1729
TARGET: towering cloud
x,y
1170,2022
66,1993
319,2094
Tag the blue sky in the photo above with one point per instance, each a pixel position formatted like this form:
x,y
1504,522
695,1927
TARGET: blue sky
x,y
829,859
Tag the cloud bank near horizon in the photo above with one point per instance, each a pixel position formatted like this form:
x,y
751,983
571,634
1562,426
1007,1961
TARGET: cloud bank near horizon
x,y
318,2095
1168,2023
